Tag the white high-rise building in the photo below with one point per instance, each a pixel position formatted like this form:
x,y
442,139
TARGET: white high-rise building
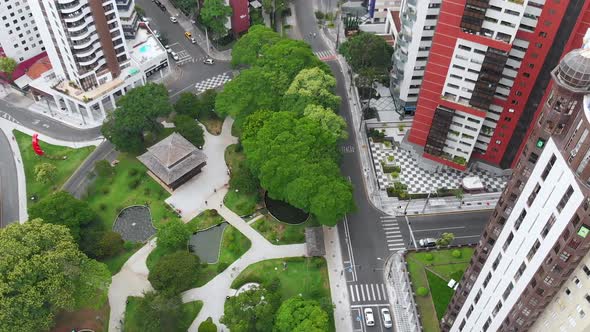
x,y
412,48
129,17
19,37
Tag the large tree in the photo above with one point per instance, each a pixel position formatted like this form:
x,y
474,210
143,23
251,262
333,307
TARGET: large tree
x,y
251,46
190,129
214,15
42,272
159,311
311,86
300,315
187,104
330,121
175,272
251,311
173,235
61,208
367,50
8,66
136,114
45,173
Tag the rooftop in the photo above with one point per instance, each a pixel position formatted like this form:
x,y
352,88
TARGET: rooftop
x,y
144,47
172,157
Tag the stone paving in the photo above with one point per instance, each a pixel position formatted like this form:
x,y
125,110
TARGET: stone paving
x,y
134,223
419,180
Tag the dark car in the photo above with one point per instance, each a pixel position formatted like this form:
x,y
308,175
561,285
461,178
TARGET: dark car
x,y
159,4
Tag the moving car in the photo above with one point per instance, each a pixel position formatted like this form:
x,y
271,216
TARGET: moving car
x,y
159,4
173,19
427,242
188,35
174,56
209,61
387,323
193,40
369,318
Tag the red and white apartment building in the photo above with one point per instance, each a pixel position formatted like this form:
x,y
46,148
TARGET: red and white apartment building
x,y
481,74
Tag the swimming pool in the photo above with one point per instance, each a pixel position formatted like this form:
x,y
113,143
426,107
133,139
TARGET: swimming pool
x,y
144,48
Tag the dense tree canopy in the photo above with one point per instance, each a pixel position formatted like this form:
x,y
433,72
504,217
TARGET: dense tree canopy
x,y
299,315
295,159
329,121
186,6
189,129
173,235
187,104
367,50
214,14
175,272
8,66
42,272
45,173
251,311
311,86
61,208
136,114
207,326
159,311
250,47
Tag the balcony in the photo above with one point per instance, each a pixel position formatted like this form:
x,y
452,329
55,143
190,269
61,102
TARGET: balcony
x,y
84,43
81,54
70,8
76,16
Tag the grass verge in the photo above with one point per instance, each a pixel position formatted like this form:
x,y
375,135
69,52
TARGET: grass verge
x,y
115,263
280,233
433,269
204,220
212,122
65,167
306,277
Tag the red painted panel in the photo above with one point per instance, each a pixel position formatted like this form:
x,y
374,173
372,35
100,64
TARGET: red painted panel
x,y
501,45
240,19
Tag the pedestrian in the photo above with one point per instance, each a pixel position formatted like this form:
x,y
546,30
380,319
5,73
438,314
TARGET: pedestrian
x,y
214,190
205,202
314,35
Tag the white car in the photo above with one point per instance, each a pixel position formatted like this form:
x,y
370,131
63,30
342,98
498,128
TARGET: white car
x,y
209,61
427,242
168,49
145,19
174,56
173,19
387,323
193,40
369,318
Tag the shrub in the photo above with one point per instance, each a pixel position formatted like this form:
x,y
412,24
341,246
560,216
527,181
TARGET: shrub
x,y
422,291
208,326
398,190
319,15
133,172
173,235
391,169
103,168
394,175
376,135
456,254
390,158
221,267
175,272
133,184
429,257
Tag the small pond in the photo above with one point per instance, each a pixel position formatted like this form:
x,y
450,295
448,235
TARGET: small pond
x,y
285,212
206,243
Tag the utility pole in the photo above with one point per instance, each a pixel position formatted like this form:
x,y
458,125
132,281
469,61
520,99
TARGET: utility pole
x,y
426,202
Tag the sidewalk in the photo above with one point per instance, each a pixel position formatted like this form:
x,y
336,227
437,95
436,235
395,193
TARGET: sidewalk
x,y
400,294
185,23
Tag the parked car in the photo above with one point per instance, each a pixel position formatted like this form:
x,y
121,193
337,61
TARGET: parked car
x,y
173,19
387,323
174,56
168,49
209,61
159,4
369,318
145,19
193,40
427,242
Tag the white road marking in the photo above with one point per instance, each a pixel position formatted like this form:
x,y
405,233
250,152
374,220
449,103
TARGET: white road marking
x,y
438,229
384,293
373,291
362,293
352,294
356,287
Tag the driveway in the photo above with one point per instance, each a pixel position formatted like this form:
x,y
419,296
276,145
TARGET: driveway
x,y
196,195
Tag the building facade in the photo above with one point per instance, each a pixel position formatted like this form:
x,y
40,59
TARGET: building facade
x,y
129,17
486,59
569,308
411,50
19,35
539,231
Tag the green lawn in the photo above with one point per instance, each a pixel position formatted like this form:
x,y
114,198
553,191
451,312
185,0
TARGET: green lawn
x,y
204,220
115,263
273,229
189,313
129,185
305,276
423,273
242,204
65,167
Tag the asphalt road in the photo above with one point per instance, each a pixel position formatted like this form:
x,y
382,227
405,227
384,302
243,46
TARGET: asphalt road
x,y
466,226
183,77
78,182
9,211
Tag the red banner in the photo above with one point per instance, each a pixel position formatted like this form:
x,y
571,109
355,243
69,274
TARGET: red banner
x,y
36,146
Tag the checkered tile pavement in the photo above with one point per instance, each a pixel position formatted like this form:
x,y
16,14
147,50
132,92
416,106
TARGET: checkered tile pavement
x,y
213,82
421,181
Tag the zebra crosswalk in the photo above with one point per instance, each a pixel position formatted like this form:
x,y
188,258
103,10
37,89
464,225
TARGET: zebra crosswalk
x,y
325,55
393,236
8,117
363,293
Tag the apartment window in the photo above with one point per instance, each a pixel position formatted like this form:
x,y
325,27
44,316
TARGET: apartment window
x,y
469,311
497,308
496,262
487,324
533,195
587,297
586,270
507,291
533,250
548,226
548,167
533,157
520,271
568,292
548,280
565,256
487,279
508,241
463,47
477,297
565,198
519,220
462,325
